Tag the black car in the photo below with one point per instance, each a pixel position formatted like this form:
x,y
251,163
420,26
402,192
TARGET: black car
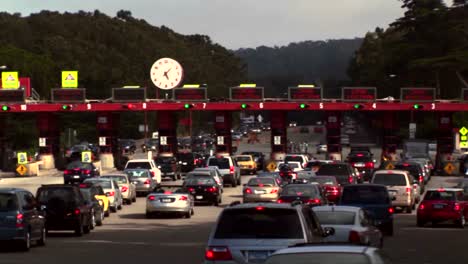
x,y
287,173
306,193
203,189
363,162
342,171
77,172
169,167
90,191
258,157
74,153
128,146
65,208
187,161
415,169
375,199
150,145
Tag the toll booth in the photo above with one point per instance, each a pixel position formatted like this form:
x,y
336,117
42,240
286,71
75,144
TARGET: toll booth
x,y
279,144
333,125
167,132
445,162
222,125
49,137
106,125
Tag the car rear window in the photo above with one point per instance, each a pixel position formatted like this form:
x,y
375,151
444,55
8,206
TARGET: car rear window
x,y
324,180
138,173
333,169
412,169
139,165
359,159
58,193
222,163
335,217
253,223
261,182
390,179
200,181
294,158
76,165
185,156
103,184
8,202
118,179
320,258
439,195
161,160
365,195
243,158
300,190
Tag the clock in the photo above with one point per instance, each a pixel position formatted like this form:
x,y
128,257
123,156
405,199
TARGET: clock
x,y
166,73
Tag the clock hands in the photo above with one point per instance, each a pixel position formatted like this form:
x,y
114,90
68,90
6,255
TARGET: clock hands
x,y
166,72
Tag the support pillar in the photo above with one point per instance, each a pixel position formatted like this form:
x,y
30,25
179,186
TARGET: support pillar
x,y
445,144
106,125
167,132
3,145
48,130
390,138
279,136
333,125
223,140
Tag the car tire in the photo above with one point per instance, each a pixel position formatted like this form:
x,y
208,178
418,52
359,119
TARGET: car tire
x,y
409,209
87,229
113,209
42,239
134,199
188,215
101,218
389,230
79,230
129,202
216,202
239,180
119,207
25,245
148,215
107,213
192,211
92,220
234,182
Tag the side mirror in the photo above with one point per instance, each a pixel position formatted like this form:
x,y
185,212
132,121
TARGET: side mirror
x,y
328,231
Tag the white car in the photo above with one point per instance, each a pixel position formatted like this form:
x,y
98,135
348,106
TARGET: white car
x,y
295,165
145,164
351,224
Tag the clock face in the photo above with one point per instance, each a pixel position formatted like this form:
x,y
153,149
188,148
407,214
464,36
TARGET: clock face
x,y
166,73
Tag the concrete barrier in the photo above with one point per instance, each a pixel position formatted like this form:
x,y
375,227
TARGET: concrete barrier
x,y
99,166
48,162
106,161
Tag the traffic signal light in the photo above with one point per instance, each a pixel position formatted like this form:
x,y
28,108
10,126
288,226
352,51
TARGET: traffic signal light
x,y
358,106
67,107
129,106
417,106
244,106
5,108
188,106
303,106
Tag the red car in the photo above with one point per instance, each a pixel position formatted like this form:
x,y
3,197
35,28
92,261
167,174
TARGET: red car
x,y
443,204
330,187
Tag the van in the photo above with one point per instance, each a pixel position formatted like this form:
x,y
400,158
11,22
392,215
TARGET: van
x,y
400,187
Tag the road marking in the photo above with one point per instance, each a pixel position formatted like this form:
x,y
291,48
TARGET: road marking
x,y
454,229
107,242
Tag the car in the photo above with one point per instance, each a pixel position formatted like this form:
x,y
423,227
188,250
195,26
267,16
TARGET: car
x,y
112,191
163,201
258,157
330,187
400,185
304,176
150,145
310,194
246,164
427,164
127,187
142,180
228,168
65,208
209,171
442,205
314,165
77,172
89,192
341,171
287,173
21,221
352,225
145,164
249,233
99,194
261,189
375,199
415,169
363,162
169,167
128,146
236,136
187,161
344,140
204,189
274,175
302,159
294,165
326,254
322,148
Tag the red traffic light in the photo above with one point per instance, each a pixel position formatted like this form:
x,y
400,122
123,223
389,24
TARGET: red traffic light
x,y
129,106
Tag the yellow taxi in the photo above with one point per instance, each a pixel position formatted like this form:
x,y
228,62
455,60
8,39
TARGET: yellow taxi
x,y
99,194
246,164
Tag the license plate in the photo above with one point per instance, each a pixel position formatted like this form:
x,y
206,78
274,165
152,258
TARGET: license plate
x,y
438,206
199,197
76,176
392,193
259,192
359,165
135,182
257,255
166,200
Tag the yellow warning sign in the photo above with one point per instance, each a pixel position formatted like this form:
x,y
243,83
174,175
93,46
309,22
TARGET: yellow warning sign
x,y
271,166
86,156
449,168
390,166
22,157
69,79
10,80
464,144
463,131
21,169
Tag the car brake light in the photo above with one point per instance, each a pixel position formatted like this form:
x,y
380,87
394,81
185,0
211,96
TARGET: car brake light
x,y
274,191
183,198
211,189
408,190
456,207
391,210
152,173
441,190
280,201
83,185
191,189
248,191
110,193
151,197
313,201
350,179
77,211
369,165
354,237
231,169
360,155
19,220
421,207
124,188
421,178
218,253
167,192
86,171
66,172
405,164
259,208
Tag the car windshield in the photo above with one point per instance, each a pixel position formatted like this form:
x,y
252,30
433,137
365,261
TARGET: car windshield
x,y
117,178
333,169
138,173
365,195
268,174
200,181
261,182
8,202
335,217
390,179
243,158
222,163
294,165
439,195
103,184
139,165
323,180
259,223
300,190
320,258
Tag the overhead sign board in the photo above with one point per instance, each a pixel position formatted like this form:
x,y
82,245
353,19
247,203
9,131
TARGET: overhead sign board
x,y
359,94
302,93
68,95
417,94
128,95
42,142
69,79
10,80
246,93
189,94
11,96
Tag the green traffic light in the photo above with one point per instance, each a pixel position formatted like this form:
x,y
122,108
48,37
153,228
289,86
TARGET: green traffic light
x,y
243,106
5,108
357,106
417,106
186,106
66,107
302,106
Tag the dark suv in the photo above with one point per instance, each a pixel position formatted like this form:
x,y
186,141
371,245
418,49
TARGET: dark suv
x,y
363,162
186,161
340,170
169,167
65,207
77,172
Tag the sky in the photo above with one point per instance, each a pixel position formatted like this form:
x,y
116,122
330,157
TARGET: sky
x,y
241,23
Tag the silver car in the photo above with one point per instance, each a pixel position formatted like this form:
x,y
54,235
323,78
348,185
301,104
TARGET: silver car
x,y
112,190
162,201
127,188
228,168
210,171
142,179
326,254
